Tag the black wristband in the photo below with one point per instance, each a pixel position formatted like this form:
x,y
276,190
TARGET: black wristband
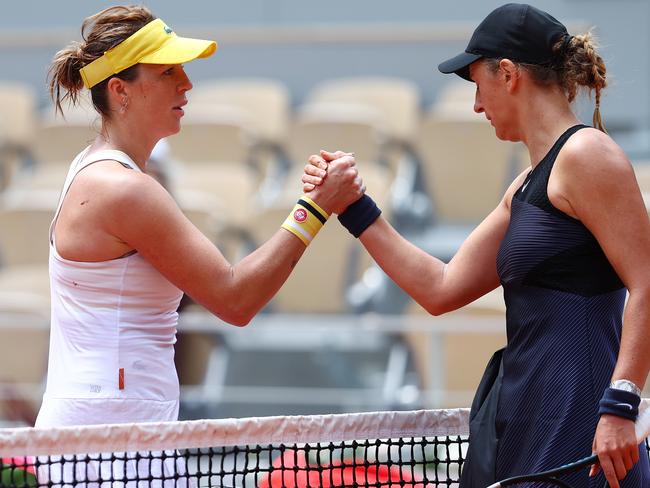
x,y
358,216
620,403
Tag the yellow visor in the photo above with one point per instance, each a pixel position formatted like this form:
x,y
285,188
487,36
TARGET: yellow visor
x,y
155,43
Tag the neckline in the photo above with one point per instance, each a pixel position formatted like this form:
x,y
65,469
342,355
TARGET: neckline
x,y
105,154
559,140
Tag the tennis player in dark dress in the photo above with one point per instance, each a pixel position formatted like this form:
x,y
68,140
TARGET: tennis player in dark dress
x,y
569,237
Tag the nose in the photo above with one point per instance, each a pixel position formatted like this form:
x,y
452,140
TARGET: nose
x,y
184,83
478,105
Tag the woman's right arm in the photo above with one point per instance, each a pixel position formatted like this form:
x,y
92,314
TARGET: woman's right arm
x,y
144,216
437,286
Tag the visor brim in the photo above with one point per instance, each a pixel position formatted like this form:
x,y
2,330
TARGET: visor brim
x,y
459,64
180,50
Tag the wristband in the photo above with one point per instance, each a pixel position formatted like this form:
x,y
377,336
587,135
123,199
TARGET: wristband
x,y
621,403
360,215
305,220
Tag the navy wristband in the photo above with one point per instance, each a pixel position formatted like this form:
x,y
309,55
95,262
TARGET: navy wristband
x,y
621,403
360,215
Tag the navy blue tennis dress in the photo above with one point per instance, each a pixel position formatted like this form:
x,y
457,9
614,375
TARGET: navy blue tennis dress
x,y
564,315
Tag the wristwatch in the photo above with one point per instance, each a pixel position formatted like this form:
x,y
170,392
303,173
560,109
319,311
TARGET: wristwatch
x,y
625,385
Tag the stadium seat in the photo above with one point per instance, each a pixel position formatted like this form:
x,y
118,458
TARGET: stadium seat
x,y
27,241
338,127
466,168
455,100
212,133
24,299
231,186
59,138
18,120
18,110
396,100
203,210
213,156
265,103
264,108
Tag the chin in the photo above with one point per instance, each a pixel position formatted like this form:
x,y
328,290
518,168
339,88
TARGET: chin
x,y
173,130
505,136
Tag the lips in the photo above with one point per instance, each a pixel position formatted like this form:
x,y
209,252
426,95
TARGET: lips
x,y
179,108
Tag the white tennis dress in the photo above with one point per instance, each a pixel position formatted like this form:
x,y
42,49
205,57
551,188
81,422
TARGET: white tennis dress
x,y
113,330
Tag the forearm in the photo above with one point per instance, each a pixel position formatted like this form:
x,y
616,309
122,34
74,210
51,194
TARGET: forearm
x,y
259,276
437,286
633,359
419,274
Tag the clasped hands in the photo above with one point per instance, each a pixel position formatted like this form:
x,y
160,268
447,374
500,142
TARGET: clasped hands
x,y
331,179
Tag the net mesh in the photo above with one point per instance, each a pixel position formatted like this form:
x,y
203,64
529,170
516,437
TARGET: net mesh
x,y
385,449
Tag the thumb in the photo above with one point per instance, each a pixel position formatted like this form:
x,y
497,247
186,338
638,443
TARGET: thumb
x,y
331,156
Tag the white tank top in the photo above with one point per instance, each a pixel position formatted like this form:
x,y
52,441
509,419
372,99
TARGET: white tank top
x,y
113,330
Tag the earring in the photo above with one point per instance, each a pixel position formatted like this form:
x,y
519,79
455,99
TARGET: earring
x,y
125,105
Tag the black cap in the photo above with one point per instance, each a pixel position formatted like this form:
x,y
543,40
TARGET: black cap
x,y
516,31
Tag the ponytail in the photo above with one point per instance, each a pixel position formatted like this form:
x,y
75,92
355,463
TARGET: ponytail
x,y
100,33
581,65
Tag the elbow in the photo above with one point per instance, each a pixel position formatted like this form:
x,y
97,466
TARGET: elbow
x,y
435,309
232,308
438,306
233,315
238,318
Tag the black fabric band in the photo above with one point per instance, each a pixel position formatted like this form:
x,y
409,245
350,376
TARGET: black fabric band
x,y
621,403
360,215
314,212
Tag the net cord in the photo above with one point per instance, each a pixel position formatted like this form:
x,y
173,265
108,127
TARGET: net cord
x,y
156,436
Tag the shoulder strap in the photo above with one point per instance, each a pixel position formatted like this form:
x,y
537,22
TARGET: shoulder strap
x,y
83,160
534,188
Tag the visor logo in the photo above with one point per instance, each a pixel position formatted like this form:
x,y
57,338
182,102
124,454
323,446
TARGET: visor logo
x,y
168,30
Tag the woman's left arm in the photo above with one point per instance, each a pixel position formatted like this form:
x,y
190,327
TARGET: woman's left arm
x,y
593,181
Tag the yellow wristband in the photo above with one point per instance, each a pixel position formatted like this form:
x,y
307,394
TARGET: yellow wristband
x,y
305,220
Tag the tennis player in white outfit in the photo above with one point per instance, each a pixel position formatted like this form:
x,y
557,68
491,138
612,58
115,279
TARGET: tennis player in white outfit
x,y
121,251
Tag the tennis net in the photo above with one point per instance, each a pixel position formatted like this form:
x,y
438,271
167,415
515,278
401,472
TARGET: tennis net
x,y
415,449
